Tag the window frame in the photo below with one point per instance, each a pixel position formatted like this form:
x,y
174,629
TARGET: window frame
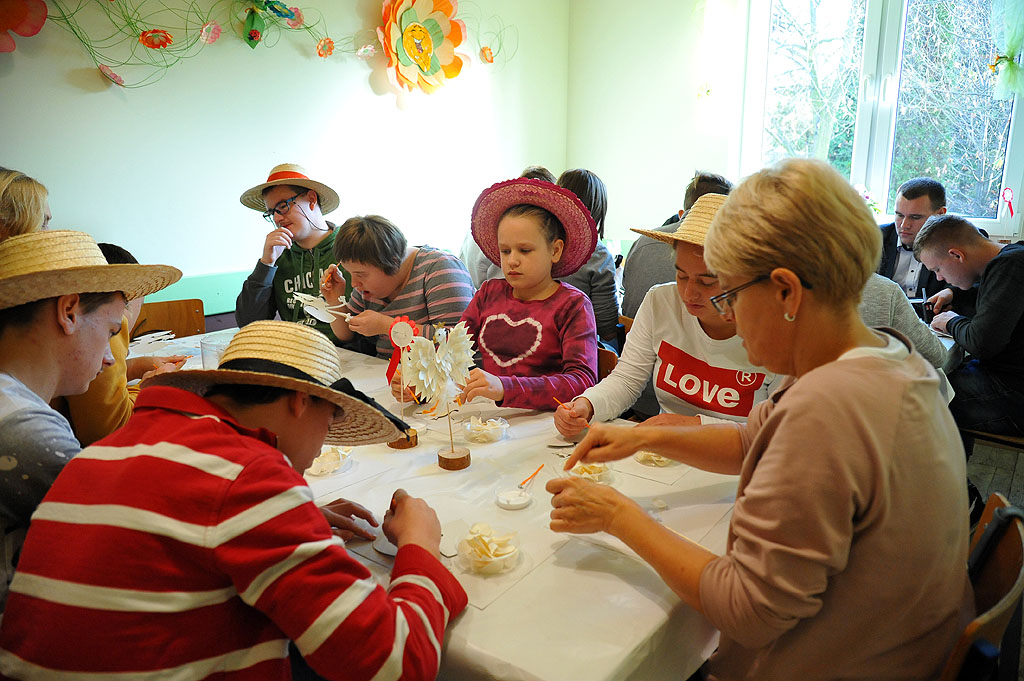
x,y
875,127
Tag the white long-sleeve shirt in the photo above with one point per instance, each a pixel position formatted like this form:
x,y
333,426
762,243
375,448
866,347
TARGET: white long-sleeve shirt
x,y
693,374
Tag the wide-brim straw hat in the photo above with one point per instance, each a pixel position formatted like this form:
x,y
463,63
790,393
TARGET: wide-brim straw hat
x,y
292,174
48,264
580,230
294,357
693,228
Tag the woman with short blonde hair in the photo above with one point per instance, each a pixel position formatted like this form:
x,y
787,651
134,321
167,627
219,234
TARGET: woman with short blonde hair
x,y
834,469
23,204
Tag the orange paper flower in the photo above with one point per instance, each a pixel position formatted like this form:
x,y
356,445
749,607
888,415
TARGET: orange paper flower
x,y
487,55
155,38
325,47
419,38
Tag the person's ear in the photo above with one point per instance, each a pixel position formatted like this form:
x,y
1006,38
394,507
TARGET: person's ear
x,y
312,197
69,312
557,248
956,254
941,211
298,403
788,290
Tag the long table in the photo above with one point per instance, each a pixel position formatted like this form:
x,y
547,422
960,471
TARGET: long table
x,y
575,607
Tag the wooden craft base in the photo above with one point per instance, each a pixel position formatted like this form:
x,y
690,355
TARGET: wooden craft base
x,y
453,461
405,442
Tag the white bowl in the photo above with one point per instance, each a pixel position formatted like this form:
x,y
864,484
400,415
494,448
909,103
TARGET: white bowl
x,y
595,472
471,560
485,430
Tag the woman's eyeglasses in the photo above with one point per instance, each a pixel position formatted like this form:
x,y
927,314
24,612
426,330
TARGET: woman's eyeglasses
x,y
724,300
282,207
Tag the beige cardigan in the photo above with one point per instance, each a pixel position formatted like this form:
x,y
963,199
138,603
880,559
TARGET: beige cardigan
x,y
848,543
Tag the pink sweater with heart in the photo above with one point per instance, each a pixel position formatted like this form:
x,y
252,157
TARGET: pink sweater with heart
x,y
541,349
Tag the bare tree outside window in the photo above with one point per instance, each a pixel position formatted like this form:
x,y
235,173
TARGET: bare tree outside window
x,y
948,126
814,62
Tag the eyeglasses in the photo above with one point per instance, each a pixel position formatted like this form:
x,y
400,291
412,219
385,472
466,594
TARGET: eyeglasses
x,y
282,207
724,300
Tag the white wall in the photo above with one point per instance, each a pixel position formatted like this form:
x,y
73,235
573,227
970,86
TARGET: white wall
x,y
635,117
159,169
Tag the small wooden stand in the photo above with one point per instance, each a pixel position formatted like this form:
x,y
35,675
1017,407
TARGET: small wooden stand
x,y
405,442
453,459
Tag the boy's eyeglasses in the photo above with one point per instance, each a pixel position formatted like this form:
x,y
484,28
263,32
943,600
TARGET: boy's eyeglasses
x,y
282,207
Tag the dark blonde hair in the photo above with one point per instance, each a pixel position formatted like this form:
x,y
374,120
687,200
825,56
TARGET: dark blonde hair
x,y
942,232
22,204
371,240
802,215
550,226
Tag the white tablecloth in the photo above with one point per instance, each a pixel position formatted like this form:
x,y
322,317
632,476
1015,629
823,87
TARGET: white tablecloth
x,y
576,607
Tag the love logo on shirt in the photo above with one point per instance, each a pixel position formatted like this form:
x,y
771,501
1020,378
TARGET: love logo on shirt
x,y
726,391
501,338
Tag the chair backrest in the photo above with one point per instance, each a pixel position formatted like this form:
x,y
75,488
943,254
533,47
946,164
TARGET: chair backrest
x,y
627,322
183,317
606,361
621,329
997,574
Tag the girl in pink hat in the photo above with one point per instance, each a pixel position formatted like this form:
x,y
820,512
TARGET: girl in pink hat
x,y
536,336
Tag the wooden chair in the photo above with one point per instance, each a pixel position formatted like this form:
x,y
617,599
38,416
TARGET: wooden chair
x,y
621,329
996,569
606,361
1006,441
183,317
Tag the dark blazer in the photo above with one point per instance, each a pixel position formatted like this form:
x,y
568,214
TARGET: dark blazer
x,y
927,283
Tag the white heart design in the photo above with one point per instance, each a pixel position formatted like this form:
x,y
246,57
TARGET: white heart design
x,y
505,318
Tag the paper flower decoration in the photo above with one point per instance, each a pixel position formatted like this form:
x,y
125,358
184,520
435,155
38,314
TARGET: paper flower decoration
x,y
325,47
280,9
255,25
24,17
297,19
419,38
436,371
105,70
366,51
487,55
210,32
156,38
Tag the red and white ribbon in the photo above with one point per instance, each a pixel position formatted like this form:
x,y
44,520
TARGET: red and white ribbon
x,y
1008,198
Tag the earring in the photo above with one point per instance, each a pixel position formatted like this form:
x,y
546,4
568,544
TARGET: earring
x,y
788,317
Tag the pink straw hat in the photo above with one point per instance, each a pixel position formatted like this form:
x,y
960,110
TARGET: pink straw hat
x,y
580,230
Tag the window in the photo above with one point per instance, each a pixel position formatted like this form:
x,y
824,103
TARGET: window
x,y
885,90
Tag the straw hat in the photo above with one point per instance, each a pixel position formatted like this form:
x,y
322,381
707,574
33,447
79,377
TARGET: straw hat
x,y
580,230
295,357
48,264
292,174
693,228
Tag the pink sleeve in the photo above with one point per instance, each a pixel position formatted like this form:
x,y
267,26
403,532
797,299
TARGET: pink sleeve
x,y
578,339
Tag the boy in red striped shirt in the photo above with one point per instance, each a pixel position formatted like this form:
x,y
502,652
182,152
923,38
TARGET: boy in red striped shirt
x,y
186,545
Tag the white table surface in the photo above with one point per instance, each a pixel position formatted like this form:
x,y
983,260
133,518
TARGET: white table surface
x,y
577,607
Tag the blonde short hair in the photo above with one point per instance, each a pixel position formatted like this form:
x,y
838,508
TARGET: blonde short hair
x,y
802,215
22,204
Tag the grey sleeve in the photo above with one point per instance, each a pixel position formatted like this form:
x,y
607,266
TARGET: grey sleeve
x,y
602,297
256,300
906,321
35,444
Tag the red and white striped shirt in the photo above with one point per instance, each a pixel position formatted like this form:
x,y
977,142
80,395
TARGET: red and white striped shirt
x,y
185,546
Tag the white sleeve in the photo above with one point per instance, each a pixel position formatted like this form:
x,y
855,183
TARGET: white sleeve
x,y
624,385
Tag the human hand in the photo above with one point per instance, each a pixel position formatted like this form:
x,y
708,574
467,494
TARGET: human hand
x,y
147,365
605,442
583,507
370,323
941,301
397,392
332,288
341,515
671,420
939,321
571,418
411,521
482,384
276,243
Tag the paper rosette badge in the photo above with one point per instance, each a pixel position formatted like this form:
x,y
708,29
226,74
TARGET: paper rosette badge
x,y
419,38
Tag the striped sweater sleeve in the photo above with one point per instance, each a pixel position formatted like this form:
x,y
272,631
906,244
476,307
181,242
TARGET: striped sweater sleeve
x,y
279,551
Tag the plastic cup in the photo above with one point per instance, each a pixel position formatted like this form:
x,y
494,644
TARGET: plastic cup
x,y
212,348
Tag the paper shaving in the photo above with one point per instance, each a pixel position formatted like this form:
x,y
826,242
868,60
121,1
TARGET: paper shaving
x,y
490,430
487,553
651,459
331,459
596,472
